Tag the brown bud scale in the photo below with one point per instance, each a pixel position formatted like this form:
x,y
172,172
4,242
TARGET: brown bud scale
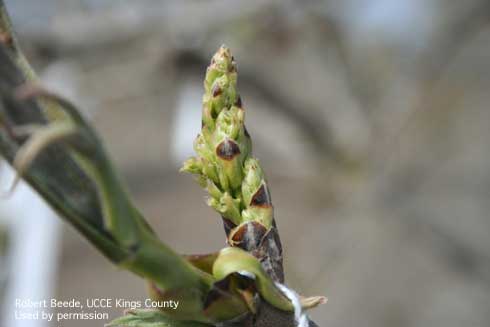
x,y
227,150
248,236
261,198
216,90
228,225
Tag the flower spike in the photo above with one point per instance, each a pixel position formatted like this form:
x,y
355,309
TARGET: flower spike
x,y
224,166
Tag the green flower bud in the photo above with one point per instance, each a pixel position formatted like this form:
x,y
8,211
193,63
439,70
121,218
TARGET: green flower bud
x,y
262,215
230,123
228,150
192,165
223,60
209,170
230,164
201,180
214,191
221,95
256,195
253,179
201,147
227,206
208,122
222,63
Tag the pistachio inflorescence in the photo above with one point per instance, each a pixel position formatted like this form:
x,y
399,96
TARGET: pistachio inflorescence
x,y
225,167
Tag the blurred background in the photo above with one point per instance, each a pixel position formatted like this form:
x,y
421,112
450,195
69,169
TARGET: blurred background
x,y
370,118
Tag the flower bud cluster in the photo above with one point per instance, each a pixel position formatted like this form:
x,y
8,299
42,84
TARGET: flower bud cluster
x,y
224,165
